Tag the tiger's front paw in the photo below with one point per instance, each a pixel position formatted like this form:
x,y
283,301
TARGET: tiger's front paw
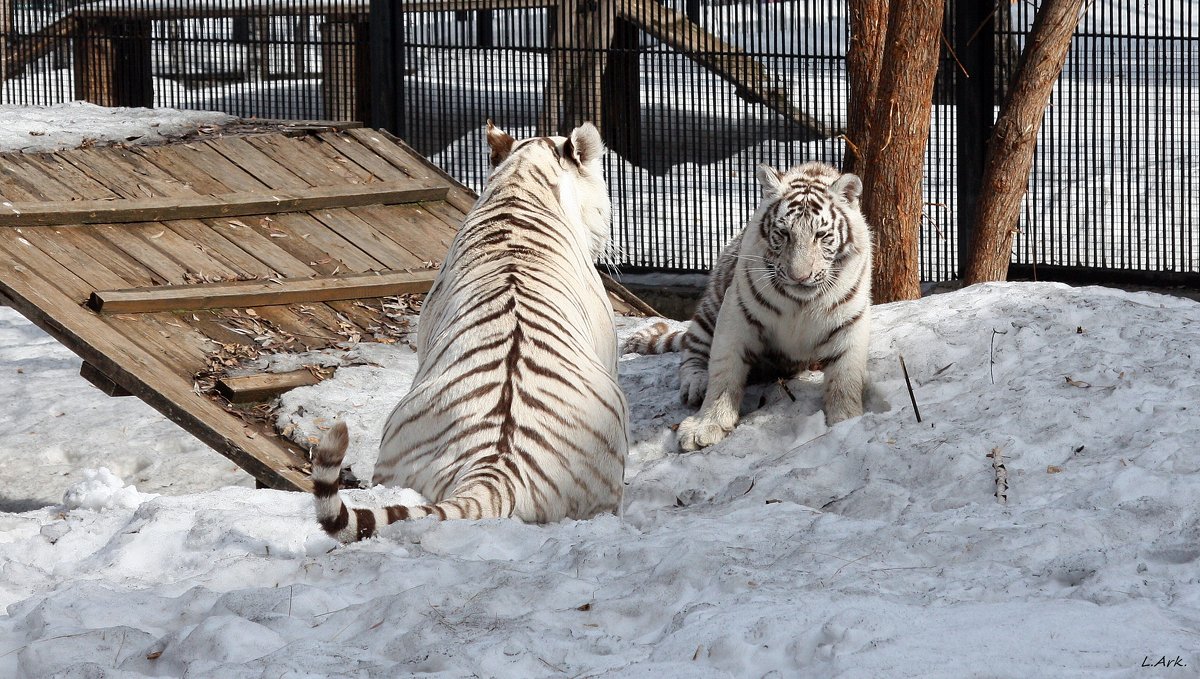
x,y
698,432
692,385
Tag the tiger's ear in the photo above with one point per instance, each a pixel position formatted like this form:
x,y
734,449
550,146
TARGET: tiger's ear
x,y
500,141
771,181
584,145
849,187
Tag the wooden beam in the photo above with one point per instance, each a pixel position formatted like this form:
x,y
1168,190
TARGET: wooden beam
x,y
261,293
101,381
634,303
18,52
65,213
165,10
753,80
263,386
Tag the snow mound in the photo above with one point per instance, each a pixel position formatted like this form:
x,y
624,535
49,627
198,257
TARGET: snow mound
x,y
100,489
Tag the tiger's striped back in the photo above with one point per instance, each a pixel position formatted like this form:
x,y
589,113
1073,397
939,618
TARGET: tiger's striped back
x,y
515,408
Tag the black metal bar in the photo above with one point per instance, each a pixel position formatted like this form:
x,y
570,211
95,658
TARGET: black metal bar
x,y
387,48
974,45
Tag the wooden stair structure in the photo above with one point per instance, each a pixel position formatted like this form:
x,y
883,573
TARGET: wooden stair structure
x,y
161,265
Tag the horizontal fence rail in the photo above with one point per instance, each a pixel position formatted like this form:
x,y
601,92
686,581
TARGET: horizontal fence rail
x,y
690,95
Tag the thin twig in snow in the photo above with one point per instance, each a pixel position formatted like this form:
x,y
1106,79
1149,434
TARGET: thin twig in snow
x,y
911,396
991,351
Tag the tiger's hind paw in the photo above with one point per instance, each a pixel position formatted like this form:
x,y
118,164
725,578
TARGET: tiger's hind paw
x,y
697,432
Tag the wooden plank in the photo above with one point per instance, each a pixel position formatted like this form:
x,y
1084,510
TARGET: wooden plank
x,y
14,184
53,213
287,153
263,386
203,156
350,148
449,215
129,243
186,253
402,156
392,253
66,267
170,161
241,153
336,163
139,168
276,175
101,381
60,180
621,296
326,245
254,293
101,169
110,257
276,463
425,237
220,248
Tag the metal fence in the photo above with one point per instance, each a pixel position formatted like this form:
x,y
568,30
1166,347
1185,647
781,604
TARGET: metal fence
x,y
691,96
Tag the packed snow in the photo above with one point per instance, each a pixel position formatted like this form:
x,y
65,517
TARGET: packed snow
x,y
877,547
873,548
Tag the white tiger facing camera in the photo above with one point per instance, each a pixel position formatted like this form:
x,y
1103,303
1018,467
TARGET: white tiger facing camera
x,y
792,289
515,409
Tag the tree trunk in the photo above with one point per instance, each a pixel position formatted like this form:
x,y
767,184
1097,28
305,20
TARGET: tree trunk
x,y
895,158
6,26
864,56
1014,139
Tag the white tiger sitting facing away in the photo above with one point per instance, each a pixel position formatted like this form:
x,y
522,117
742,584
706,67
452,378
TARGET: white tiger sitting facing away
x,y
794,287
515,409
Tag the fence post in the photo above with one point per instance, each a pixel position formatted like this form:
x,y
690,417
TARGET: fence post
x,y
583,34
621,105
387,66
975,111
6,27
112,62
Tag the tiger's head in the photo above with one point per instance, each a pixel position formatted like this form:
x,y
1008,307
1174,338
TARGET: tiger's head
x,y
569,166
808,223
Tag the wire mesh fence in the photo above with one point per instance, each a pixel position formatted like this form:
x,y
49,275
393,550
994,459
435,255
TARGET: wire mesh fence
x,y
690,94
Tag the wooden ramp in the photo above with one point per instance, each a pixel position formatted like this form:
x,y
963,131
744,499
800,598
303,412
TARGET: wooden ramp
x,y
161,266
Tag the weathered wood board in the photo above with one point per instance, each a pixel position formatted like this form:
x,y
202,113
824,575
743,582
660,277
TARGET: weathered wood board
x,y
162,266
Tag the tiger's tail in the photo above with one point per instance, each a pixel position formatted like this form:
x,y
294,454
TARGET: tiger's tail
x,y
656,338
475,498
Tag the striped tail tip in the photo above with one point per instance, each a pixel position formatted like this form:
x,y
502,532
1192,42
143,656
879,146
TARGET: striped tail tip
x,y
343,523
656,338
326,470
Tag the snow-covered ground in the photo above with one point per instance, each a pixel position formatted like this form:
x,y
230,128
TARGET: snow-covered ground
x,y
874,548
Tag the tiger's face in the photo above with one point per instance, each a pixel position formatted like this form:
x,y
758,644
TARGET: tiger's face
x,y
803,229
